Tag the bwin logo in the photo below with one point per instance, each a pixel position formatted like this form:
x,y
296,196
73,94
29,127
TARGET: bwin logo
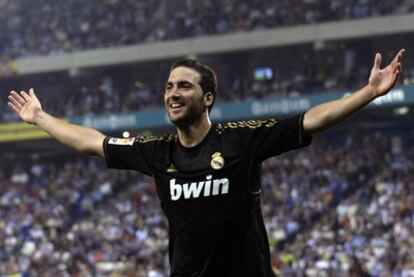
x,y
195,189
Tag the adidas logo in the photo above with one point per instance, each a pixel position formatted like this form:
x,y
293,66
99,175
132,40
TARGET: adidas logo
x,y
172,169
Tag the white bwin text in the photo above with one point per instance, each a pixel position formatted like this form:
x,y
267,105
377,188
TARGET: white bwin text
x,y
194,189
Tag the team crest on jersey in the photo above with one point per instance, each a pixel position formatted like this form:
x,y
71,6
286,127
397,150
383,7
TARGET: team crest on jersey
x,y
121,141
217,161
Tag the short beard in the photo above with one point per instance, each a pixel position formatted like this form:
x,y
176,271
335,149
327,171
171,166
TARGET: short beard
x,y
192,116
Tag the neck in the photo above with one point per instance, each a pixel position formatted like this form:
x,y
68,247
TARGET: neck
x,y
192,135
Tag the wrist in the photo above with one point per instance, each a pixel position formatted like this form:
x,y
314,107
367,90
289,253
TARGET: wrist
x,y
371,91
38,117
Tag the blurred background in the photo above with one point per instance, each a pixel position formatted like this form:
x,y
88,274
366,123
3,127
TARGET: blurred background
x,y
342,207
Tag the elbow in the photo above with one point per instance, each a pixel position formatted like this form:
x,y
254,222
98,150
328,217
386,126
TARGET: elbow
x,y
309,126
313,125
92,148
89,152
92,152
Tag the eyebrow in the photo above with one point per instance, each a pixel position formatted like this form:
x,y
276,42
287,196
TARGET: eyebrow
x,y
179,83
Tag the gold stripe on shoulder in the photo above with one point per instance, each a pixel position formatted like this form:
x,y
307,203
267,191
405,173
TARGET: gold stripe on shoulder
x,y
165,138
251,124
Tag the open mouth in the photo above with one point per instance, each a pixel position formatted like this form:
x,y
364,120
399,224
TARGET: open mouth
x,y
176,106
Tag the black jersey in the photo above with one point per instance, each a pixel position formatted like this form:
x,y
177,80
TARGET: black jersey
x,y
210,193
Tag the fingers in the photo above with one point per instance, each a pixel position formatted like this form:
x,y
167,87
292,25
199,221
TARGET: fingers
x,y
396,65
31,92
25,95
399,56
397,69
14,104
16,100
13,107
18,97
396,62
377,61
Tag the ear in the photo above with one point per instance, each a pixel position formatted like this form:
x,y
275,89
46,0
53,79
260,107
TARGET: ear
x,y
208,99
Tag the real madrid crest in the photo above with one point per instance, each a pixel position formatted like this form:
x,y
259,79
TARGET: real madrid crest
x,y
217,161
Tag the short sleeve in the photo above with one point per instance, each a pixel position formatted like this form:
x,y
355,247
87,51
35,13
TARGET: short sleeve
x,y
129,153
273,137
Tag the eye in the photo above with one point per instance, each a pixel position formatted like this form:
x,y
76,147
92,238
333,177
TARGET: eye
x,y
168,87
185,85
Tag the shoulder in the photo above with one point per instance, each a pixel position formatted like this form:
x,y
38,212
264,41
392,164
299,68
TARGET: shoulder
x,y
141,139
245,125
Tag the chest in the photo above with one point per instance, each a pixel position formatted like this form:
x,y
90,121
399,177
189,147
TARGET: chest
x,y
219,169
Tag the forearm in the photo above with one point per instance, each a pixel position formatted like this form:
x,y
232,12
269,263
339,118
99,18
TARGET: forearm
x,y
82,139
329,114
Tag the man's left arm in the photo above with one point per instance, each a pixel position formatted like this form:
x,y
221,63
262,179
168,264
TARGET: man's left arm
x,y
329,114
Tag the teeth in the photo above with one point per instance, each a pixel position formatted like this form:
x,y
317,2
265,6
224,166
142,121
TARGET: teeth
x,y
175,105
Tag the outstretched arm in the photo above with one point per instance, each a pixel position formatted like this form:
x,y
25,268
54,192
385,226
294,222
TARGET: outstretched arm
x,y
329,114
82,139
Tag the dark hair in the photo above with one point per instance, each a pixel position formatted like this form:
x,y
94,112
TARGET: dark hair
x,y
208,81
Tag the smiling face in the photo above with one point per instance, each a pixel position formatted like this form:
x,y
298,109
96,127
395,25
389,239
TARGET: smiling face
x,y
184,99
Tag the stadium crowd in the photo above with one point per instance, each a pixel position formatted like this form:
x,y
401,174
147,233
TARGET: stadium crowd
x,y
52,27
199,18
307,71
367,229
335,209
47,27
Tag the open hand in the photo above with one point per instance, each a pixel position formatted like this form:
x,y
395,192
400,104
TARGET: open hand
x,y
26,105
383,80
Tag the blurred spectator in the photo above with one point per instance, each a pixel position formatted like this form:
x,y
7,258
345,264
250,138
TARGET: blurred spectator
x,y
47,27
296,71
334,208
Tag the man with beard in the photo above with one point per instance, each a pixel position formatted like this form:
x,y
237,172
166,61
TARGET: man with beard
x,y
208,176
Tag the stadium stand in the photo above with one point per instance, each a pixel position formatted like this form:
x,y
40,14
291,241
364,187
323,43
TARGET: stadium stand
x,y
47,27
327,209
296,71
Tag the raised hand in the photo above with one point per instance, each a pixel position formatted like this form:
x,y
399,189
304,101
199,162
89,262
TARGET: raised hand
x,y
26,105
383,80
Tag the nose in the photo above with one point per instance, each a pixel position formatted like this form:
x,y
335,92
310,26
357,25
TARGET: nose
x,y
174,93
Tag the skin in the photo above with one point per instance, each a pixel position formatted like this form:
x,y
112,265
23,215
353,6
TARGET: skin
x,y
191,117
380,82
82,139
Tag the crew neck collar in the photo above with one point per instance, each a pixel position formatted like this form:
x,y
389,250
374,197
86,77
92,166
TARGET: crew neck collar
x,y
197,146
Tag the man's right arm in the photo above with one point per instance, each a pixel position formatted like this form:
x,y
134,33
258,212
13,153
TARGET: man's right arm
x,y
82,139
